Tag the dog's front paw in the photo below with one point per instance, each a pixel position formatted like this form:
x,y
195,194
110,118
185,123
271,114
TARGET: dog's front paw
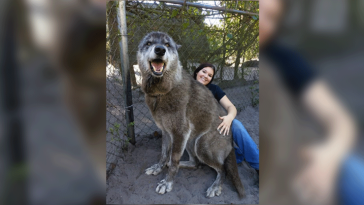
x,y
164,186
213,191
155,169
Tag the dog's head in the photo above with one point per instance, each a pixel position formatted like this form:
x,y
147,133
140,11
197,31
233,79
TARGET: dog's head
x,y
157,54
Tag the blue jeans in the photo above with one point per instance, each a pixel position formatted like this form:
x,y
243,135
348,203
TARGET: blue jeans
x,y
247,149
351,181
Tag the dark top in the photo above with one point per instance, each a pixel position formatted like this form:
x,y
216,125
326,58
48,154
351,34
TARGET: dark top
x,y
295,72
216,91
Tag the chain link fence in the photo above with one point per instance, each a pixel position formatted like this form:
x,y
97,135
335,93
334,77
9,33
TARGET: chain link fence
x,y
206,35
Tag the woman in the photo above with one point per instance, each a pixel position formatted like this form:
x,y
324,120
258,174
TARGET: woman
x,y
330,170
247,148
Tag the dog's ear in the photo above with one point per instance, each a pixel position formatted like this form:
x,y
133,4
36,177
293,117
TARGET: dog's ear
x,y
178,46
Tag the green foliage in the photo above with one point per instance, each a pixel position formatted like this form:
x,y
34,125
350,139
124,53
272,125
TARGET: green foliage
x,y
185,25
117,126
111,130
126,144
232,41
174,13
115,131
115,134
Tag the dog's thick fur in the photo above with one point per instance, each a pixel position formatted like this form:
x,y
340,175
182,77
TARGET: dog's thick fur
x,y
187,113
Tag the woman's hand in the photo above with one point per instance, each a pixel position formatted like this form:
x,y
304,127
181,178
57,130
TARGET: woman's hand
x,y
316,182
224,127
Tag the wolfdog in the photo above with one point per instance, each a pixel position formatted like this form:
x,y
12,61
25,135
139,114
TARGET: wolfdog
x,y
187,113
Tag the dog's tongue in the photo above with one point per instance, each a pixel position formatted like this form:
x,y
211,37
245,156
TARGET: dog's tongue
x,y
158,66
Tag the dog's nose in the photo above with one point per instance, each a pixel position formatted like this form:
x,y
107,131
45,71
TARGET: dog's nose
x,y
159,50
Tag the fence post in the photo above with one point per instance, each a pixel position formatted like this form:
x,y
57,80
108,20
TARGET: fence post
x,y
124,58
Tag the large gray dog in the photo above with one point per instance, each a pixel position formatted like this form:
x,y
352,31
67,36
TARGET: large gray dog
x,y
186,112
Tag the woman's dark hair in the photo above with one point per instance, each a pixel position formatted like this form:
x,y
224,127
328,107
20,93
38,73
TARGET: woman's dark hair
x,y
204,65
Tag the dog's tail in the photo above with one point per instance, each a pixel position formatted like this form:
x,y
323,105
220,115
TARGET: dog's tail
x,y
232,171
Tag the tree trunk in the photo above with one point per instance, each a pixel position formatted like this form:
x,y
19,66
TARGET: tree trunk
x,y
223,58
237,62
242,68
239,53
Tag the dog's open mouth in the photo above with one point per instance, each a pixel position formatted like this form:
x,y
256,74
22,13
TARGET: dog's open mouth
x,y
157,66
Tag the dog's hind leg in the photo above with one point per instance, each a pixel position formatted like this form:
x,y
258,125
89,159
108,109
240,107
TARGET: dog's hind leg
x,y
215,188
165,156
214,159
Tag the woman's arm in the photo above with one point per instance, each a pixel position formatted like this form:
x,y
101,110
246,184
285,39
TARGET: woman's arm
x,y
339,125
319,176
227,120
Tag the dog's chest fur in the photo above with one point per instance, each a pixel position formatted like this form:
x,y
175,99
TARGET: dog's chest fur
x,y
168,102
154,86
165,97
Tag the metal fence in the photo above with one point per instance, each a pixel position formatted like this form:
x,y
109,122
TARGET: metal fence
x,y
206,35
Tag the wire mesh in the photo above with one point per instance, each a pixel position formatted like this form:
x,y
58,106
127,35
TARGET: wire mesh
x,y
206,35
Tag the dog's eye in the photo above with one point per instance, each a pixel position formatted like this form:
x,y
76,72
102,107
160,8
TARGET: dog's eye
x,y
149,43
167,44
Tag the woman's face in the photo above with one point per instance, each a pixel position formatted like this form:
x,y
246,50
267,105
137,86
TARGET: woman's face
x,y
269,18
204,76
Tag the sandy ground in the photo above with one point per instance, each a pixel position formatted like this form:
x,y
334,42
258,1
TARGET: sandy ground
x,y
128,184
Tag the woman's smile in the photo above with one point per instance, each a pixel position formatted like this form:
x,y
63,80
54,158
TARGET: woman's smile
x,y
203,80
204,76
